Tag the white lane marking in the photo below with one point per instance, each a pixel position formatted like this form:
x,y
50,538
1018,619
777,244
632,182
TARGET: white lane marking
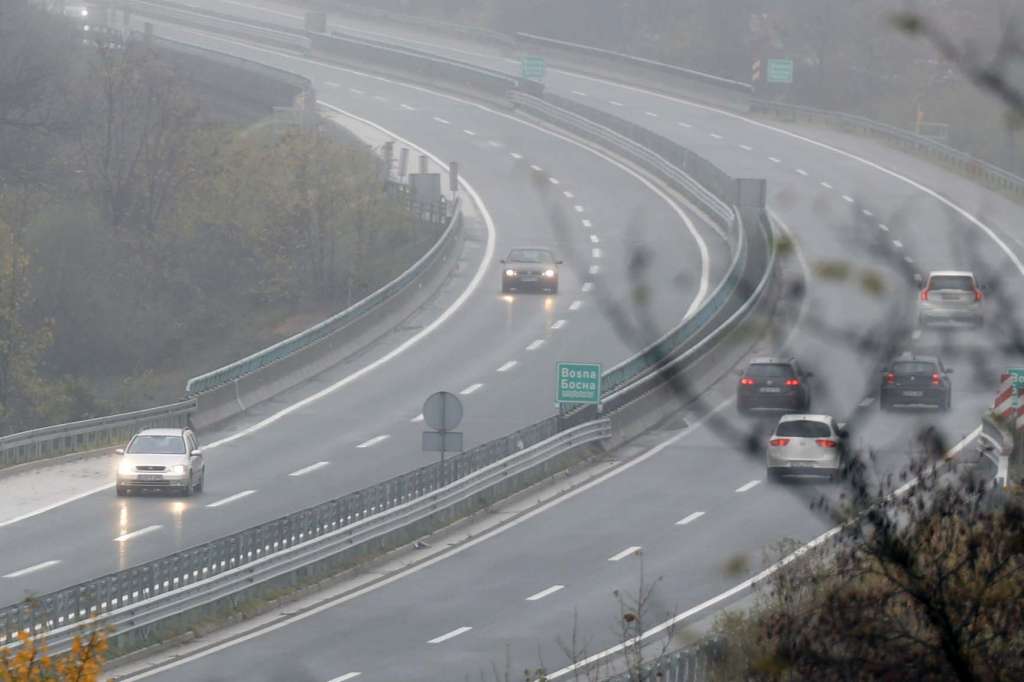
x,y
587,286
345,677
883,227
908,260
848,199
916,335
594,269
374,441
578,93
536,169
569,195
312,467
595,253
736,589
690,519
716,136
897,243
441,556
594,239
357,91
417,419
332,84
747,486
49,507
230,499
470,289
442,121
545,593
802,172
448,635
684,124
470,133
471,389
578,208
826,185
651,114
575,305
586,223
516,156
380,98
867,401
558,324
746,148
508,365
614,103
33,569
554,181
407,107
136,533
535,345
774,159
868,213
629,551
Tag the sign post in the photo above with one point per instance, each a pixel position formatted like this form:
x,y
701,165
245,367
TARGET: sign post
x,y
1015,470
442,412
578,383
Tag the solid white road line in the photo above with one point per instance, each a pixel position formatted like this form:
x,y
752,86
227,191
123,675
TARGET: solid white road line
x,y
136,533
747,486
535,345
442,121
508,365
586,222
470,390
68,500
417,419
629,551
594,269
312,467
848,199
33,569
587,286
689,519
232,498
544,593
801,171
897,243
595,253
373,441
448,635
558,324
407,107
575,305
883,227
774,159
345,677
826,185
594,239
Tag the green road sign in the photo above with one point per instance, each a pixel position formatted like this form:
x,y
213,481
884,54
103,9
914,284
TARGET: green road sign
x,y
780,71
533,67
1017,375
578,382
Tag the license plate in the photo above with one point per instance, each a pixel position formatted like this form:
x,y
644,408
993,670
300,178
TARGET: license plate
x,y
771,389
913,394
528,278
151,477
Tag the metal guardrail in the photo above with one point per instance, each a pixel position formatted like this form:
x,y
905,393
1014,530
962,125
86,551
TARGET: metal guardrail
x,y
462,30
135,598
203,19
996,443
691,665
983,170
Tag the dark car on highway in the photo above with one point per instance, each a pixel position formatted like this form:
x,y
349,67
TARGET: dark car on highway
x,y
530,268
773,383
914,380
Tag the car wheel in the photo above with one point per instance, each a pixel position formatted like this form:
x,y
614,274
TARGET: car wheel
x,y
948,402
505,288
187,492
121,490
773,476
883,404
202,481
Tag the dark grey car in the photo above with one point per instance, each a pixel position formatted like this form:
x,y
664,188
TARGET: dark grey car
x,y
530,268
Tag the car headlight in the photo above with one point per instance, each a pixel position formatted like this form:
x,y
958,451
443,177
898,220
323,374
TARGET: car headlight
x,y
125,468
549,273
178,469
85,12
510,273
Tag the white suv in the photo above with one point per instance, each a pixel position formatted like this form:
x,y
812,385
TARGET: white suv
x,y
950,296
162,459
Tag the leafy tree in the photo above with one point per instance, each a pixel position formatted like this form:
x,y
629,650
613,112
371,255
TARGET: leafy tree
x,y
31,660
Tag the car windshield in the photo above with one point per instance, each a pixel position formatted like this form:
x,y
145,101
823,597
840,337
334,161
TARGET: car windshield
x,y
913,368
803,428
767,371
531,256
956,282
157,445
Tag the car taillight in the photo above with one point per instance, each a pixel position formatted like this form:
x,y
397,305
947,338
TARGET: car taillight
x,y
936,379
779,442
977,294
792,382
826,442
747,381
924,295
890,377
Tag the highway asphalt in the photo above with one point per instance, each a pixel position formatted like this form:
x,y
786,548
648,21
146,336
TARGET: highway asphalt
x,y
498,352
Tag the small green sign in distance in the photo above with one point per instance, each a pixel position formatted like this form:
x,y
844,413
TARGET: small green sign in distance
x,y
578,382
779,71
1017,373
533,68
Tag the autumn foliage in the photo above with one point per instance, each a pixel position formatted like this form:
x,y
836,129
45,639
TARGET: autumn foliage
x,y
31,661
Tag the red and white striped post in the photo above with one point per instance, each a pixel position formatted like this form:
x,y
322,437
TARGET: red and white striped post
x,y
1007,406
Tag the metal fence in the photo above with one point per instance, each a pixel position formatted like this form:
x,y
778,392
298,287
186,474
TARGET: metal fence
x,y
690,665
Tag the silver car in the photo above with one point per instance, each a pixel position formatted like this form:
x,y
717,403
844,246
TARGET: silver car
x,y
806,445
161,459
950,296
